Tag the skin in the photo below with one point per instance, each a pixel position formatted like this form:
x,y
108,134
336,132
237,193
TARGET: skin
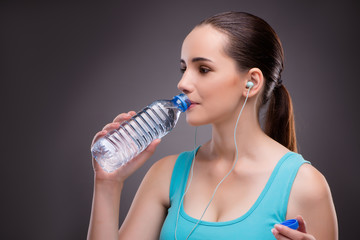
x,y
217,90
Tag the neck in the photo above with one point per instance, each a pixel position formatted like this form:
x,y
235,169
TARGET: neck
x,y
248,135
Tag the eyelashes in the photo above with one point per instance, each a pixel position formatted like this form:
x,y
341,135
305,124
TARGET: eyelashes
x,y
202,69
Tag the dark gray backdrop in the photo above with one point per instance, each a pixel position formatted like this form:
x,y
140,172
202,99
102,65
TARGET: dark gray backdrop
x,y
69,68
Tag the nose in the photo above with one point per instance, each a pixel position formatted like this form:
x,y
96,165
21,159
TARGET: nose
x,y
185,84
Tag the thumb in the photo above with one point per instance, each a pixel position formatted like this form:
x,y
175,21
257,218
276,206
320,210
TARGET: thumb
x,y
302,224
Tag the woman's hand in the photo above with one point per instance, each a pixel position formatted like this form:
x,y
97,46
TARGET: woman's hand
x,y
284,233
126,170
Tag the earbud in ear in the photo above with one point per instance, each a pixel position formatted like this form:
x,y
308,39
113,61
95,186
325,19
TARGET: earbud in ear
x,y
249,84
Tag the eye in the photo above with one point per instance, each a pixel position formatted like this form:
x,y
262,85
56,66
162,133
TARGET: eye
x,y
203,69
182,69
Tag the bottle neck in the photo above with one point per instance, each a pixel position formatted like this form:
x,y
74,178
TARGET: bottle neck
x,y
182,102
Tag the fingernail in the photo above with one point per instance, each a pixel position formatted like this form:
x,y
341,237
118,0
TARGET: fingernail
x,y
278,226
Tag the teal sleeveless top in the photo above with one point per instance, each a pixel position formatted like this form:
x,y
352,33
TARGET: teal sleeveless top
x,y
256,224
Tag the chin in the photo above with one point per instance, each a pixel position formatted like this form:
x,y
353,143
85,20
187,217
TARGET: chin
x,y
195,122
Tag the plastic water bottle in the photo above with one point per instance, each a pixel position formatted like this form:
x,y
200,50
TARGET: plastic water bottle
x,y
133,136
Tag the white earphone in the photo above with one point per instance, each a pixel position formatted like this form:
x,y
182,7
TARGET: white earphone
x,y
249,84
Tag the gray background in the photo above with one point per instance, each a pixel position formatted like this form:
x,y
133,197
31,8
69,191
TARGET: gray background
x,y
69,68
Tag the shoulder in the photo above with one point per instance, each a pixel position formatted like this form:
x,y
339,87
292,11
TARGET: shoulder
x,y
158,177
309,189
163,166
310,184
311,198
166,164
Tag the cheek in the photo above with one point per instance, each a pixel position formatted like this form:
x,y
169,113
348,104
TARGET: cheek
x,y
220,102
225,93
224,104
220,96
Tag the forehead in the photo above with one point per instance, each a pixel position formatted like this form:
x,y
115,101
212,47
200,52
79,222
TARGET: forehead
x,y
204,41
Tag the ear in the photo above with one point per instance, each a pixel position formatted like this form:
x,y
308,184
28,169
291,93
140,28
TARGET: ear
x,y
256,77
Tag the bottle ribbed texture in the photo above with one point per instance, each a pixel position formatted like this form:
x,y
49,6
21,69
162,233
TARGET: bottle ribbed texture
x,y
132,137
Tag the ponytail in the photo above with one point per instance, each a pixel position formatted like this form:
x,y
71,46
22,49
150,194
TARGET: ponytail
x,y
253,43
280,123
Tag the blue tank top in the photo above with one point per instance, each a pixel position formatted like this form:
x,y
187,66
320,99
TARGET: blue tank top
x,y
270,207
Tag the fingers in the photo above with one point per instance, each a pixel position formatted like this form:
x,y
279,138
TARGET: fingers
x,y
302,224
282,233
111,126
98,136
124,116
132,113
278,236
107,128
114,125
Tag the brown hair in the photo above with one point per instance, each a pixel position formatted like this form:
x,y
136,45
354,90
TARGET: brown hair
x,y
253,43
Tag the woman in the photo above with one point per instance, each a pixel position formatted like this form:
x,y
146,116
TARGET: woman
x,y
268,181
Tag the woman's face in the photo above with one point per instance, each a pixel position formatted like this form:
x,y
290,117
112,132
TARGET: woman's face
x,y
210,78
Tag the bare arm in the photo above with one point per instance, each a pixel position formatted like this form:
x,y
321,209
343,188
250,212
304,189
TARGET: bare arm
x,y
149,208
104,219
311,198
108,186
147,212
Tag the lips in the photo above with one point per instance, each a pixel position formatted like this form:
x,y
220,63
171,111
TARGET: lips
x,y
193,104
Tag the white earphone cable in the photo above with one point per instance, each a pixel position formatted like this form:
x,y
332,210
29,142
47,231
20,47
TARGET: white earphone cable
x,y
187,188
218,185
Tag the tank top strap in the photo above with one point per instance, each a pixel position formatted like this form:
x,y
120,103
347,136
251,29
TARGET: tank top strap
x,y
278,193
180,173
269,209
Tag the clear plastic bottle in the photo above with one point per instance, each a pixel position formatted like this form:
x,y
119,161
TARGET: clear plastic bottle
x,y
133,136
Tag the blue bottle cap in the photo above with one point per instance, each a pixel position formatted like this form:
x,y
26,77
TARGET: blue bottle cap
x,y
182,102
291,223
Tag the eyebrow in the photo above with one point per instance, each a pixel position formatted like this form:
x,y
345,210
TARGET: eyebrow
x,y
197,59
